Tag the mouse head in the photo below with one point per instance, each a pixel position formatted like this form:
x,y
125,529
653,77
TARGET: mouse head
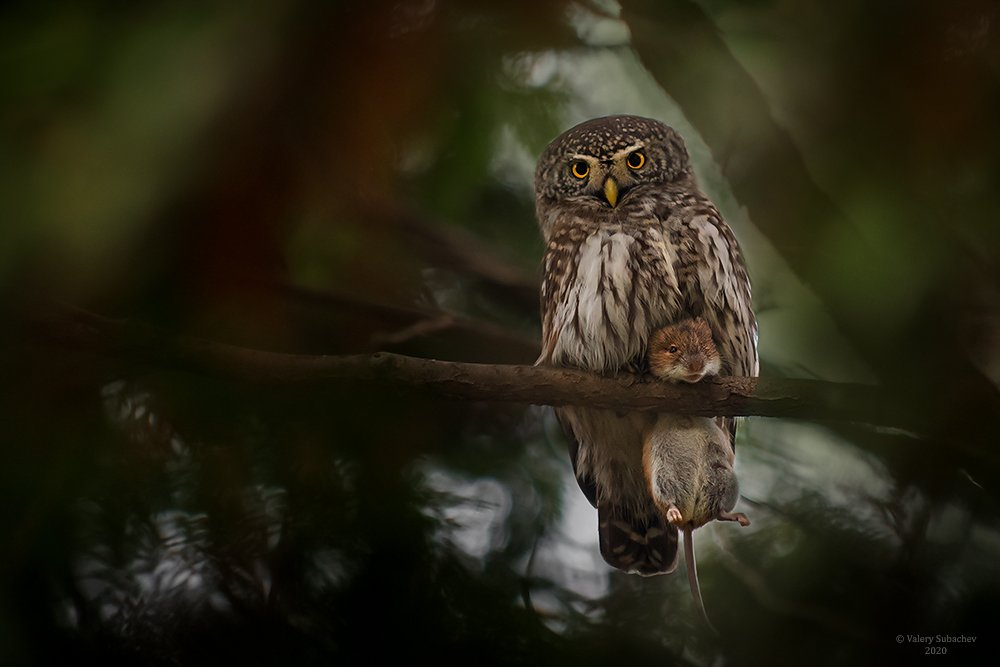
x,y
683,351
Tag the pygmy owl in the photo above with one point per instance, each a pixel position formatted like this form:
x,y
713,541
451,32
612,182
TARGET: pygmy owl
x,y
631,244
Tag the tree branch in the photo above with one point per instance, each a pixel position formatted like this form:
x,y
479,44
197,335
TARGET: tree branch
x,y
739,396
499,343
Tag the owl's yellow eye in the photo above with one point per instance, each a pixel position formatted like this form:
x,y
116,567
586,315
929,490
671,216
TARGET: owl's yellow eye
x,y
635,160
580,169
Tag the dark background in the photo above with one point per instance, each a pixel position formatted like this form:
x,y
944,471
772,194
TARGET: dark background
x,y
346,177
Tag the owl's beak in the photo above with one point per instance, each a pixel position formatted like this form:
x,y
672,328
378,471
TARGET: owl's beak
x,y
611,191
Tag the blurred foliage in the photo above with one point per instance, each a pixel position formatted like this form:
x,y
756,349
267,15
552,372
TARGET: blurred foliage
x,y
344,177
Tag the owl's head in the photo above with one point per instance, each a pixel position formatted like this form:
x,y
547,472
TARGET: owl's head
x,y
601,162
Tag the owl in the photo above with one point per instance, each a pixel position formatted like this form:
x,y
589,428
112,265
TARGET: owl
x,y
631,245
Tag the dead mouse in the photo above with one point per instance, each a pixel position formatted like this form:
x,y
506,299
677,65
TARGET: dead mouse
x,y
688,460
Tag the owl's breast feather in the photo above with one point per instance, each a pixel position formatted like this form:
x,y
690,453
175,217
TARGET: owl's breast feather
x,y
603,317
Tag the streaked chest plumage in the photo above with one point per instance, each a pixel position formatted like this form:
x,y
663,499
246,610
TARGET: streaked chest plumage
x,y
609,289
608,283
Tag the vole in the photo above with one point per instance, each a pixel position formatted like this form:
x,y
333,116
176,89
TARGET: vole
x,y
688,460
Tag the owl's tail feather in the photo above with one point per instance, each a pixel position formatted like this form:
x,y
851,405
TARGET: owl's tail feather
x,y
646,546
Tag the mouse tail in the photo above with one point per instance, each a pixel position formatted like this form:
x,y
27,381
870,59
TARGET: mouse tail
x,y
692,570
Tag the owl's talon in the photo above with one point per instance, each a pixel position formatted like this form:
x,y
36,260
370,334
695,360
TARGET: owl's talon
x,y
674,516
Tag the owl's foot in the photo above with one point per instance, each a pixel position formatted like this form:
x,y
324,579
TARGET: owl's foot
x,y
674,516
638,366
734,516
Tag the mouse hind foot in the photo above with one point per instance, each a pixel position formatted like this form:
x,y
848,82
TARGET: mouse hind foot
x,y
739,517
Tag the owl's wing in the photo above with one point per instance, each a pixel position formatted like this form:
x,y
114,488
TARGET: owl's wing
x,y
714,283
586,482
719,289
559,272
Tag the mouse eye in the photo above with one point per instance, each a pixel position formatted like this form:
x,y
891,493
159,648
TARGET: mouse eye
x,y
580,169
672,349
635,160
